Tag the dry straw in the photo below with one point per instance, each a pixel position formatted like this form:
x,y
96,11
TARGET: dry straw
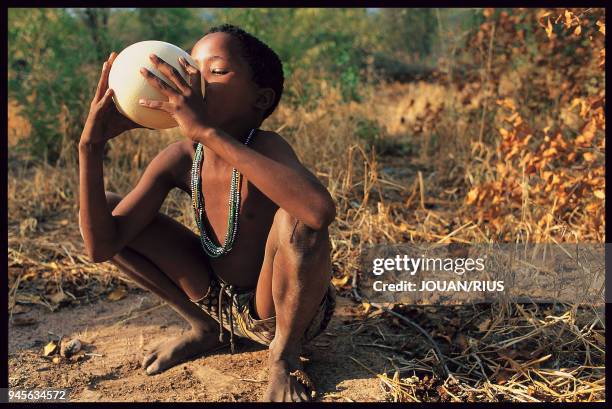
x,y
524,353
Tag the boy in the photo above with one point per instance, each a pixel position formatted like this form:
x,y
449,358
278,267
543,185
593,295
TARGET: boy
x,y
260,269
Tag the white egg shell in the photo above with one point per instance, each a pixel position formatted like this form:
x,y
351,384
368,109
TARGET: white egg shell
x,y
129,85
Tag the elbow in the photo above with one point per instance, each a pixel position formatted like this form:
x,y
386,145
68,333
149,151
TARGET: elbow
x,y
95,252
325,216
330,213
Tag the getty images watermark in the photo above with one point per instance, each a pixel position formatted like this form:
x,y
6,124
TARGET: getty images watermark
x,y
427,273
412,265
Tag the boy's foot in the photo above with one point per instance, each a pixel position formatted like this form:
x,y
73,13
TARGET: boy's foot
x,y
282,387
174,351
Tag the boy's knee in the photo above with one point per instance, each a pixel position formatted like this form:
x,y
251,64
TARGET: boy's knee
x,y
297,236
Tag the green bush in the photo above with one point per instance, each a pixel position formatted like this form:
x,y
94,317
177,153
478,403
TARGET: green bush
x,y
55,55
48,56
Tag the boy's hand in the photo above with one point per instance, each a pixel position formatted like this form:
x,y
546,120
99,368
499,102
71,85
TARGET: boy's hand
x,y
185,101
104,121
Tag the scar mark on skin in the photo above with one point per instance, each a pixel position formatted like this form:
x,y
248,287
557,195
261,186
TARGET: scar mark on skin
x,y
293,231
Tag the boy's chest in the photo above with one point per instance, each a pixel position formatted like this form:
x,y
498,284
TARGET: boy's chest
x,y
256,211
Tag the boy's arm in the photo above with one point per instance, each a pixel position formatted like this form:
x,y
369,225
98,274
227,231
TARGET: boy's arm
x,y
280,176
106,233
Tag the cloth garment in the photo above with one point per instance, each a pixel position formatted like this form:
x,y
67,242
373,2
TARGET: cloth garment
x,y
238,313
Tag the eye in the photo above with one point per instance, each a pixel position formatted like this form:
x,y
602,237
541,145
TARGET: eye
x,y
218,71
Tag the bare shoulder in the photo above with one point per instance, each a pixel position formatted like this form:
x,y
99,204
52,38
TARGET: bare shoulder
x,y
173,160
279,149
274,146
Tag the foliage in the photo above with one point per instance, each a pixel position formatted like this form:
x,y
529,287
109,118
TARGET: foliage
x,y
402,32
328,42
48,50
511,123
547,166
65,47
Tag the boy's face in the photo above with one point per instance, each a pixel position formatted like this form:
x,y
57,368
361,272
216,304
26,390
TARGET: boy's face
x,y
231,94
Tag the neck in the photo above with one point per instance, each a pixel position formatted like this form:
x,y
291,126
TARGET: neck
x,y
240,135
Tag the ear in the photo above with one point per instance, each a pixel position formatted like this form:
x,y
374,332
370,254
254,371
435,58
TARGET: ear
x,y
265,98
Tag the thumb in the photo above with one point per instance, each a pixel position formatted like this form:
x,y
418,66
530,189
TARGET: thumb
x,y
106,99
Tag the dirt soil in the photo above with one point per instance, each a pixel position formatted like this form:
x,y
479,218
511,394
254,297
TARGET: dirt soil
x,y
116,333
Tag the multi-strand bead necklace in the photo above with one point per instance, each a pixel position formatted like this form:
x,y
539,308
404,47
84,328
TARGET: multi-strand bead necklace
x,y
197,197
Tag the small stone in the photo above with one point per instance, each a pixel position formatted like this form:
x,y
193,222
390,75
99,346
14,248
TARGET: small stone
x,y
70,348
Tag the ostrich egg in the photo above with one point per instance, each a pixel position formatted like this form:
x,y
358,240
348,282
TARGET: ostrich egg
x,y
129,85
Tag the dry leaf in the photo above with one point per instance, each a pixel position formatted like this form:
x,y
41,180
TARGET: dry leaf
x,y
116,294
549,28
568,19
577,31
50,348
483,326
340,282
366,306
602,27
56,359
471,196
544,14
600,194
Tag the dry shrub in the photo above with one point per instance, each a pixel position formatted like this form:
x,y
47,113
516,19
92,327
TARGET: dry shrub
x,y
538,172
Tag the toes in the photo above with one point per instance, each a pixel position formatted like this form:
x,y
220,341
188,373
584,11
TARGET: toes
x,y
299,393
303,395
153,368
148,359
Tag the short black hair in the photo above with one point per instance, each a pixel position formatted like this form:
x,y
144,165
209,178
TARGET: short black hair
x,y
266,66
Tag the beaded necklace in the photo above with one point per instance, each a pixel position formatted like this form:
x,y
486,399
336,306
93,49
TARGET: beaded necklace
x,y
197,198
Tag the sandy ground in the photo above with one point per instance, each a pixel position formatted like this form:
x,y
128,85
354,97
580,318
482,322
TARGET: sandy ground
x,y
115,335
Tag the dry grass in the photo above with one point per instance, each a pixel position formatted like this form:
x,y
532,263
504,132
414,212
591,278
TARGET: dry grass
x,y
514,352
399,165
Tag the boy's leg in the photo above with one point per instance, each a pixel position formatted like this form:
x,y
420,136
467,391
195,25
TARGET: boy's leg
x,y
293,281
156,269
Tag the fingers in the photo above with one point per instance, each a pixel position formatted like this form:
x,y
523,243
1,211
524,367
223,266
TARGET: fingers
x,y
161,105
172,73
103,81
158,83
193,74
106,100
108,95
